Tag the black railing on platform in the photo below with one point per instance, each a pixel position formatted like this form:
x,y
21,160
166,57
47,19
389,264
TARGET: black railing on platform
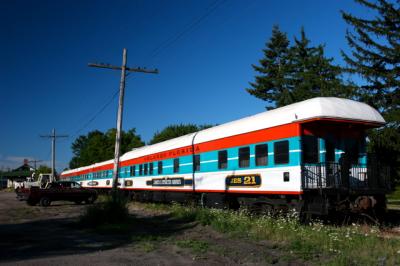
x,y
342,176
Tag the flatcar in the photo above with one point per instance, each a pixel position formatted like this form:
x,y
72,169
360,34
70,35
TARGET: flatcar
x,y
309,156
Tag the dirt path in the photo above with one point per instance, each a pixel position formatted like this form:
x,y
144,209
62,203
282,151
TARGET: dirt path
x,y
49,236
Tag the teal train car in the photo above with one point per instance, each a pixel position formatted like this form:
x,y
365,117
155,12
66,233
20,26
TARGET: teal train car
x,y
308,156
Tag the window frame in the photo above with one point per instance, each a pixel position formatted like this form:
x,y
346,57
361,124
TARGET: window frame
x,y
306,158
244,151
259,156
151,168
285,154
140,169
132,170
196,163
160,167
176,165
222,159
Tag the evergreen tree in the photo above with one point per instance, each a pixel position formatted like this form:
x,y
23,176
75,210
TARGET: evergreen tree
x,y
295,73
375,55
274,84
314,75
174,131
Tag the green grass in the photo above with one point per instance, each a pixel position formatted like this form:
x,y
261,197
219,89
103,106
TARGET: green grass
x,y
316,243
393,199
196,246
107,215
147,243
8,189
395,195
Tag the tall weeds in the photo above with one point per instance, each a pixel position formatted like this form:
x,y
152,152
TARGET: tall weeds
x,y
110,210
317,242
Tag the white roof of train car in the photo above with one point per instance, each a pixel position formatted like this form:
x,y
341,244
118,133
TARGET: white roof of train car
x,y
322,107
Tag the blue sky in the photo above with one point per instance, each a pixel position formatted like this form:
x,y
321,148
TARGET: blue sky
x,y
203,50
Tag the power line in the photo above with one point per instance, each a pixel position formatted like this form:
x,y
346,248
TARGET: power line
x,y
187,29
97,113
34,161
158,50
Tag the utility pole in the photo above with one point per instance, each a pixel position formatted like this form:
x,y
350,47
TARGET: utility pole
x,y
34,163
53,136
34,166
123,69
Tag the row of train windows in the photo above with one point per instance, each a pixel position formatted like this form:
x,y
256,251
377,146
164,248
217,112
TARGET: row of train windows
x,y
102,174
281,156
95,175
145,169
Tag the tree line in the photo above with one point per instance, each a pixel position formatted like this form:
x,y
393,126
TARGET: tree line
x,y
294,71
97,146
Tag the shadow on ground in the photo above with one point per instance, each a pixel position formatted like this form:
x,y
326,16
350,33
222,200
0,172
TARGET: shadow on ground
x,y
52,237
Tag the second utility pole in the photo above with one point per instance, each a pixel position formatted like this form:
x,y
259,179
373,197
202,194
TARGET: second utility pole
x,y
123,69
53,137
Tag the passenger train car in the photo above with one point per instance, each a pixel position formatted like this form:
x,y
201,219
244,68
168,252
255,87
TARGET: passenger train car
x,y
310,156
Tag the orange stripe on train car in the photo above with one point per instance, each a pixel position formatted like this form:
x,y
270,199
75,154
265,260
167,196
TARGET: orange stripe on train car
x,y
268,134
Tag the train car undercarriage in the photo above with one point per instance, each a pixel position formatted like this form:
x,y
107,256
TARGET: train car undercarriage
x,y
330,191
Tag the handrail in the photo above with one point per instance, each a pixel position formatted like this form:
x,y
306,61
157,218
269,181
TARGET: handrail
x,y
345,175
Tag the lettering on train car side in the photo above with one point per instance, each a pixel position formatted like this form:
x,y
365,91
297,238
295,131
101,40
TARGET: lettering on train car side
x,y
252,180
93,183
169,182
172,153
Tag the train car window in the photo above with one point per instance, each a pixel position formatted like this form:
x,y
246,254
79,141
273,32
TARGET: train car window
x,y
281,152
223,159
176,165
310,149
196,163
244,157
133,170
140,169
261,154
145,169
159,167
151,168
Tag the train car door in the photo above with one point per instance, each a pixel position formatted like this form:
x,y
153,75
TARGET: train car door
x,y
331,169
329,151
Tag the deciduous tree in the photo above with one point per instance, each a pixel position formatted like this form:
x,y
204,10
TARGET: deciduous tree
x,y
97,146
174,131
